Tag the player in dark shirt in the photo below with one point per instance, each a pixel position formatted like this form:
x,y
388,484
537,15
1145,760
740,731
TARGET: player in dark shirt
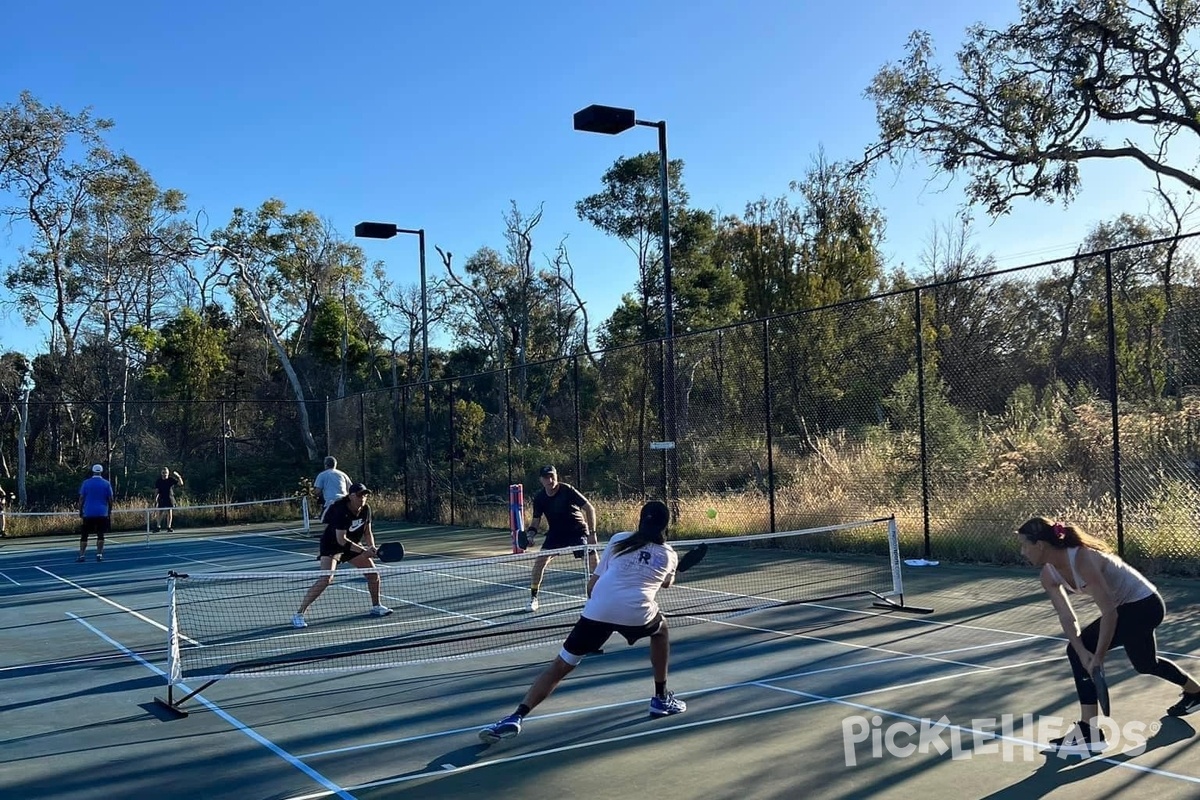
x,y
571,519
348,538
164,498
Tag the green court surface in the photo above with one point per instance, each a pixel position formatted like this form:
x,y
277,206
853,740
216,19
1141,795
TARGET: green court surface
x,y
821,700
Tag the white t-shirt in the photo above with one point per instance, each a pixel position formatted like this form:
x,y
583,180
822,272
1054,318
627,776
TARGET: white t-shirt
x,y
332,484
628,583
1126,584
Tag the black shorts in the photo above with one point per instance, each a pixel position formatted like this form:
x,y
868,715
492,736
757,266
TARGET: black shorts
x,y
588,635
166,503
331,549
96,525
557,541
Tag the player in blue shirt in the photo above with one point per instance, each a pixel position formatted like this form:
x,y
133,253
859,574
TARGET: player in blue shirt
x,y
95,511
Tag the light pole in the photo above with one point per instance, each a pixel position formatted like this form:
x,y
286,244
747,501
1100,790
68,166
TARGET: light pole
x,y
386,230
611,120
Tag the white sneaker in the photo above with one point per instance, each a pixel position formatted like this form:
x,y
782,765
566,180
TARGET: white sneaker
x,y
298,621
533,604
380,611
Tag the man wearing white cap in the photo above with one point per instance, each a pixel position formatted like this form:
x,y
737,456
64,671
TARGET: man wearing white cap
x,y
95,509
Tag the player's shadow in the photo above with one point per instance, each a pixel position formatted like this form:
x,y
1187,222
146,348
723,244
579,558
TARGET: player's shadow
x,y
1059,771
459,757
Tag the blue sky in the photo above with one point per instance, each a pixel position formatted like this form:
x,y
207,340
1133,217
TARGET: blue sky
x,y
436,115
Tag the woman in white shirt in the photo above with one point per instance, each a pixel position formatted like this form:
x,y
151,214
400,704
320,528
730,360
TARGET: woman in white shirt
x,y
1130,609
621,599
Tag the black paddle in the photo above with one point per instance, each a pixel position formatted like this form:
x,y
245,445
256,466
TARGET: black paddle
x,y
692,557
391,552
525,538
1101,689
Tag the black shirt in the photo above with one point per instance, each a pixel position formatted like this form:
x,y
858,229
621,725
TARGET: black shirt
x,y
563,511
339,518
166,488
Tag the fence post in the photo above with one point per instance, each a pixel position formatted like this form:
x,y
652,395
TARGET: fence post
x,y
428,453
453,447
921,423
578,432
225,462
767,413
508,439
362,440
662,418
108,444
1113,388
404,396
328,441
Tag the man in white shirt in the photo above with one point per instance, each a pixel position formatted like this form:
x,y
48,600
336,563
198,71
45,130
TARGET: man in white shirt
x,y
331,484
621,599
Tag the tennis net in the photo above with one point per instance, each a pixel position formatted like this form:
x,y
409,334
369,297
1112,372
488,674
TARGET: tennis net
x,y
149,523
239,624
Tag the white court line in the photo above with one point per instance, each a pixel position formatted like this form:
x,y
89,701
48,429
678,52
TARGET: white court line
x,y
443,770
333,788
979,733
65,662
112,603
261,547
839,643
201,561
941,624
2,575
710,690
444,611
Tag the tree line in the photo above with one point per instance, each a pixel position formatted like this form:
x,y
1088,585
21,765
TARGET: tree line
x,y
174,340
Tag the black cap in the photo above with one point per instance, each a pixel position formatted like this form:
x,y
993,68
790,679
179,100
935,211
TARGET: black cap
x,y
655,513
359,488
548,470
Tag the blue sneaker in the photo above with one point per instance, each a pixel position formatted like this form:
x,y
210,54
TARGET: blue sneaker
x,y
666,706
506,728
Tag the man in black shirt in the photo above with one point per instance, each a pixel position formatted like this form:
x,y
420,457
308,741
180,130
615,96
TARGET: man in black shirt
x,y
348,538
571,518
164,498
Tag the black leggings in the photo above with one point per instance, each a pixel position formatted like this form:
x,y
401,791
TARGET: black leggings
x,y
1136,622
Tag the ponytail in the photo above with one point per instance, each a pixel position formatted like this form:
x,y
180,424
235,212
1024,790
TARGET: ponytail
x,y
651,529
1061,535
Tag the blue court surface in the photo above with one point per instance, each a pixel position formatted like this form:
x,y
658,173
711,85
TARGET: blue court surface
x,y
823,700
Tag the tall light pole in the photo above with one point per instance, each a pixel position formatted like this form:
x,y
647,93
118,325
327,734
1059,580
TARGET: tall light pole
x,y
611,120
386,230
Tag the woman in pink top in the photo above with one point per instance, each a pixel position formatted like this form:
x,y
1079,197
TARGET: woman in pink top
x,y
1072,560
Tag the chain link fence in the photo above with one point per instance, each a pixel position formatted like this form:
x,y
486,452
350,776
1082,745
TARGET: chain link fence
x,y
963,406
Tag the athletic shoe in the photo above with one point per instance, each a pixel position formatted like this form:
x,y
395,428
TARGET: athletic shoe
x,y
154,529
533,604
380,611
1188,702
170,530
81,558
667,705
99,556
506,728
298,621
1081,739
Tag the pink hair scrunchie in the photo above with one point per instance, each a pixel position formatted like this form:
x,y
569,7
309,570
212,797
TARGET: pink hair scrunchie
x,y
1059,531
